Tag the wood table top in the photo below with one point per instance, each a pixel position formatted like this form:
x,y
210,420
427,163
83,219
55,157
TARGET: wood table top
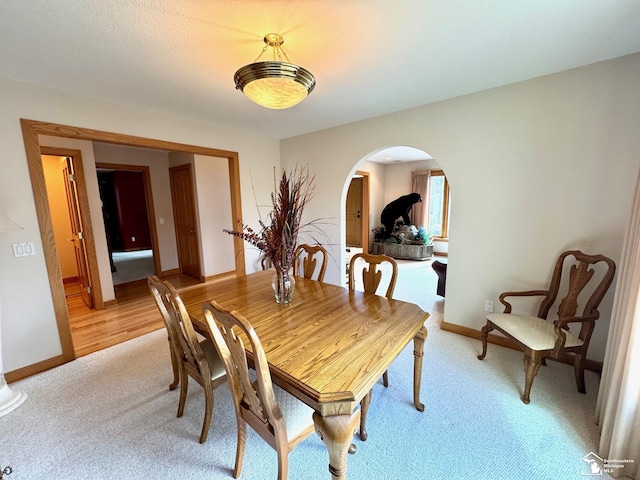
x,y
328,346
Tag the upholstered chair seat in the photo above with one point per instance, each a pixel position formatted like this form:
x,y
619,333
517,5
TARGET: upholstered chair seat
x,y
534,332
295,413
216,365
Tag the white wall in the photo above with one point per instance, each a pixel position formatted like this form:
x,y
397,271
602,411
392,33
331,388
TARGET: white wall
x,y
536,168
29,330
214,214
398,178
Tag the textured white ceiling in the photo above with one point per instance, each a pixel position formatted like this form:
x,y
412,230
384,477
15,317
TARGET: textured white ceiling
x,y
370,57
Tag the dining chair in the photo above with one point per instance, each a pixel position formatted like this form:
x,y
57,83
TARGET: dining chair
x,y
371,280
265,262
154,285
277,416
306,261
543,336
196,358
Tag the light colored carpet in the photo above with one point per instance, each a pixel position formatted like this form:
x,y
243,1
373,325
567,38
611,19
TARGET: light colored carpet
x,y
132,266
110,415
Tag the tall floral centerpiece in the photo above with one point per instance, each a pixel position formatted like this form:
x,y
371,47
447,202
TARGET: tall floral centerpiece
x,y
278,235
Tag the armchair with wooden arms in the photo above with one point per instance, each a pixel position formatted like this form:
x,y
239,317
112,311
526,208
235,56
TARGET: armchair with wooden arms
x,y
540,337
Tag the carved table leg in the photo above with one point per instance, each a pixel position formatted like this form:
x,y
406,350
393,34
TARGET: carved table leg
x,y
336,433
364,408
418,352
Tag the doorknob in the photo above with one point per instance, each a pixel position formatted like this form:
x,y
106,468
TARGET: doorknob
x,y
192,231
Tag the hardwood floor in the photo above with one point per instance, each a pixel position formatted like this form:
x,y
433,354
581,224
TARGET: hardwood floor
x,y
134,315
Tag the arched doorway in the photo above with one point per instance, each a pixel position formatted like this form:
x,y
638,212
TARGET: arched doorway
x,y
389,173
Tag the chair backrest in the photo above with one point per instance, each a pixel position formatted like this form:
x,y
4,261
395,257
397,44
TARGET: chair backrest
x,y
265,262
181,332
371,276
577,265
305,265
255,402
161,295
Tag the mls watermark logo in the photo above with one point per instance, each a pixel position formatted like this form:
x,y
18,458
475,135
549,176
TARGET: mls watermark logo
x,y
595,465
6,471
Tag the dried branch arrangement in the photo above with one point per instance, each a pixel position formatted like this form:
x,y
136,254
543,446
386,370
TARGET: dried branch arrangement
x,y
278,235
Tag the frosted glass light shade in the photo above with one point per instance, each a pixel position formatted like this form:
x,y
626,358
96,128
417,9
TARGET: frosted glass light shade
x,y
274,84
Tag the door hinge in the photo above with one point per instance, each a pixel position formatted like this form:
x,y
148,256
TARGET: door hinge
x,y
72,177
80,236
88,289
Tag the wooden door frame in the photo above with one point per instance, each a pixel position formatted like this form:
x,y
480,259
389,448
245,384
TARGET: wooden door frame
x,y
355,186
146,173
365,209
85,215
30,131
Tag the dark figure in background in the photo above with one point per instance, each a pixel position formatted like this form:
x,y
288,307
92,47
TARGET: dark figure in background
x,y
400,207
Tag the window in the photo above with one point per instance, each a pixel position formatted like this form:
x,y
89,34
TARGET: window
x,y
439,197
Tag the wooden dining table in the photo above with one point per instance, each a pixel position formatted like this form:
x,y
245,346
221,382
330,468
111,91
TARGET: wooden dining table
x,y
328,347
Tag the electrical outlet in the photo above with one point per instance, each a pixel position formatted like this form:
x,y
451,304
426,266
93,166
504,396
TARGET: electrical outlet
x,y
488,306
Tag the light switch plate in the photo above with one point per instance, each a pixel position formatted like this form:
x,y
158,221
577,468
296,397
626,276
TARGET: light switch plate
x,y
23,249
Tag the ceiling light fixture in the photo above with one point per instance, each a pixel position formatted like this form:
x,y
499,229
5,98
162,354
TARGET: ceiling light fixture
x,y
274,83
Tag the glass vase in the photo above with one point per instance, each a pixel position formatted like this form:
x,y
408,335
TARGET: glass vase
x,y
283,284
